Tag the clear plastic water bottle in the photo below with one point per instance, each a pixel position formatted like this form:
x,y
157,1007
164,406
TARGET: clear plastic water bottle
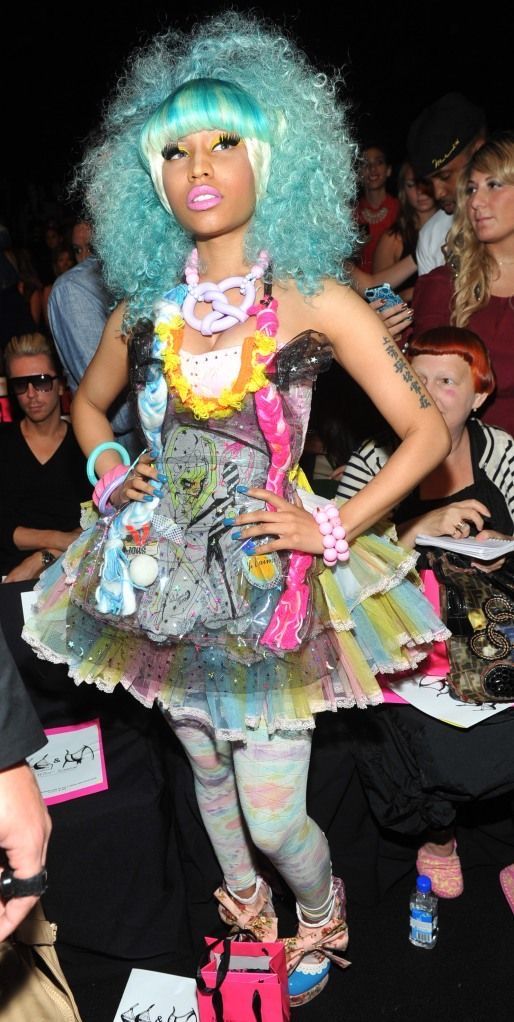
x,y
424,924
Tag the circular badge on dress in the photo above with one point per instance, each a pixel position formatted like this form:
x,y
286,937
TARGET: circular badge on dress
x,y
262,570
143,570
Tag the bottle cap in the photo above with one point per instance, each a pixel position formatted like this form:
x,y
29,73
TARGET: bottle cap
x,y
424,884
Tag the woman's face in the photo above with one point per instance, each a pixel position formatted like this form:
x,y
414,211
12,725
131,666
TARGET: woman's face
x,y
209,183
490,207
63,262
418,193
375,169
450,384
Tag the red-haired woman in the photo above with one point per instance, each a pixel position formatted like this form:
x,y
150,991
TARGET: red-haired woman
x,y
415,769
474,485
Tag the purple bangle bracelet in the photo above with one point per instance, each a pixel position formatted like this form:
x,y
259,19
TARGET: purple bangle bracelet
x,y
104,506
106,485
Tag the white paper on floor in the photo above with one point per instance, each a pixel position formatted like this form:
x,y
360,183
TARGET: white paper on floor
x,y
152,996
431,695
72,764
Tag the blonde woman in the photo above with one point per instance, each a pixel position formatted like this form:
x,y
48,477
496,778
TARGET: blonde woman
x,y
476,287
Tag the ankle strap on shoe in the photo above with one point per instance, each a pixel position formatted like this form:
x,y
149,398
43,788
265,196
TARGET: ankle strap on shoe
x,y
328,911
253,897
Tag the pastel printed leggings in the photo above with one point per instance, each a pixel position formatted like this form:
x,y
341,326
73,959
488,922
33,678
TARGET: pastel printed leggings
x,y
255,794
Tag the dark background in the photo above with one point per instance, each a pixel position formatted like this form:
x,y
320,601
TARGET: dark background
x,y
60,61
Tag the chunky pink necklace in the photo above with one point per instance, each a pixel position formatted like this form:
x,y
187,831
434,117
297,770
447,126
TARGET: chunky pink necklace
x,y
224,314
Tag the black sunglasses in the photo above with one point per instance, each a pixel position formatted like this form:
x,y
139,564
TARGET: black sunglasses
x,y
40,381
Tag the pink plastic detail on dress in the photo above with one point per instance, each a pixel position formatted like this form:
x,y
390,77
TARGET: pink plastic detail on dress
x,y
267,319
283,631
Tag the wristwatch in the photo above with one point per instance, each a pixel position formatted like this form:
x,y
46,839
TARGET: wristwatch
x,y
47,558
18,887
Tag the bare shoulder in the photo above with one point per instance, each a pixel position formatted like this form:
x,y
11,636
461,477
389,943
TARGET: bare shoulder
x,y
116,317
298,311
336,293
114,330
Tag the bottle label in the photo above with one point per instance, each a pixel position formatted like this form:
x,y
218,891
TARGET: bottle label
x,y
422,925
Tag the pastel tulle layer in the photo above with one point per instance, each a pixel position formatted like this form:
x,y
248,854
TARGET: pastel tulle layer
x,y
366,616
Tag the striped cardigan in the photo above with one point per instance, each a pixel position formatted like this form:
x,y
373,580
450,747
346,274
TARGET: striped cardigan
x,y
496,460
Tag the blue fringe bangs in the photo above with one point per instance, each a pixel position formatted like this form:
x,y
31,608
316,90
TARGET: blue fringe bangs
x,y
201,104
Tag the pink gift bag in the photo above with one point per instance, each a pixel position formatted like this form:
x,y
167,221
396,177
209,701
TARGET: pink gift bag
x,y
437,662
243,981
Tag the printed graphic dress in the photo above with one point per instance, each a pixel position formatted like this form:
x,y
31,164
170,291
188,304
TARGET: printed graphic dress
x,y
225,637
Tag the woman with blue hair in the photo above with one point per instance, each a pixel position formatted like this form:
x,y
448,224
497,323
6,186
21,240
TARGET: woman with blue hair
x,y
214,584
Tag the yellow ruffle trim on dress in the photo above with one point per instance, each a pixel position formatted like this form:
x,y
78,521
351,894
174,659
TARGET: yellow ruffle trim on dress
x,y
251,377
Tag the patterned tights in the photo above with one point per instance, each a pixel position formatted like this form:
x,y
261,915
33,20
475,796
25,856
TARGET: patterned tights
x,y
256,794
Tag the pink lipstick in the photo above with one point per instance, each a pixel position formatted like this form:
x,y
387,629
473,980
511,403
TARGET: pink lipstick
x,y
203,197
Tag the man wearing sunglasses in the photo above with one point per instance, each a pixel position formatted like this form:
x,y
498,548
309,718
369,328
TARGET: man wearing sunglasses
x,y
41,465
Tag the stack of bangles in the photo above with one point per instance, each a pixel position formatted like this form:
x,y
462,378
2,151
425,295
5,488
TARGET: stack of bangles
x,y
333,534
111,480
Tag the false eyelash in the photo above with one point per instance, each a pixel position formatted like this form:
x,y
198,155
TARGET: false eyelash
x,y
230,138
169,150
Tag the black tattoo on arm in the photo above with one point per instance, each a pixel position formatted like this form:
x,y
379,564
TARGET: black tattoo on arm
x,y
402,367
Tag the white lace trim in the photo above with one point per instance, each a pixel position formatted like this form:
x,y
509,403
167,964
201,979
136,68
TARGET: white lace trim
x,y
42,652
280,724
182,714
385,583
313,965
342,626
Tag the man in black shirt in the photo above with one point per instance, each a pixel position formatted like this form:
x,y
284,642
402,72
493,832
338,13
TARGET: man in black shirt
x,y
41,465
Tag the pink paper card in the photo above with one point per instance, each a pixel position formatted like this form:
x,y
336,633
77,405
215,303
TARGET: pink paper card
x,y
72,764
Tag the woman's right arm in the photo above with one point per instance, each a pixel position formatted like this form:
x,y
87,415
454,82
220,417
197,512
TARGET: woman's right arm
x,y
104,379
395,275
449,520
362,465
387,252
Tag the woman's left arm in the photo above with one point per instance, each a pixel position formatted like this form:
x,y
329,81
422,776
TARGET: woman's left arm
x,y
365,349
369,354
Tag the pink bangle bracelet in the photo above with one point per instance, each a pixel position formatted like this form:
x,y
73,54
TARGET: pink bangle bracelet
x,y
333,534
108,483
104,504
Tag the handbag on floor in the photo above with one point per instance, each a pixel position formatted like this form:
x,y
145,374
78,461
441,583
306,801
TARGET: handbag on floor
x,y
33,987
243,981
478,608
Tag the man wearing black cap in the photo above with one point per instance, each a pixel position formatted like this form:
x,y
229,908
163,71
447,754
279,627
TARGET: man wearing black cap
x,y
440,143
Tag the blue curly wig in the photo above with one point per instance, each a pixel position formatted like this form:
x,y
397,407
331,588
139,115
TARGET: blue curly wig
x,y
270,94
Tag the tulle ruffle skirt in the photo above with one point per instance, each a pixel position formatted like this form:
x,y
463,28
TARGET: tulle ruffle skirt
x,y
365,616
